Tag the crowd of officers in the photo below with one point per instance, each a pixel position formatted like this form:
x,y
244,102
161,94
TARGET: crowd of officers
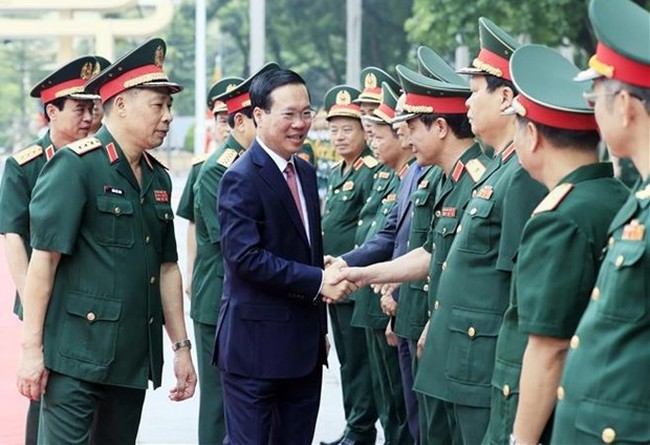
x,y
502,271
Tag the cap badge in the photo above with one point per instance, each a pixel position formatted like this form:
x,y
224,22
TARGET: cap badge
x,y
343,98
97,69
159,56
370,81
86,71
231,87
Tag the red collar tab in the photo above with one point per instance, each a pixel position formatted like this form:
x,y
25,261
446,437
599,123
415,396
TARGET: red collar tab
x,y
111,151
508,151
458,170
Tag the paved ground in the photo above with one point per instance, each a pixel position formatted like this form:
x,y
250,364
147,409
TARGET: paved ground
x,y
163,422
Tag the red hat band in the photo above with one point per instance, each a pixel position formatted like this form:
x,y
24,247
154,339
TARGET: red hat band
x,y
615,66
385,112
492,63
130,79
62,89
419,103
234,104
371,92
555,118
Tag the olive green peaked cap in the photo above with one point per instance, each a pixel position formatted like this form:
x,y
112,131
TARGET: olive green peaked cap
x,y
371,79
238,98
432,65
67,81
340,102
224,85
385,112
497,46
547,93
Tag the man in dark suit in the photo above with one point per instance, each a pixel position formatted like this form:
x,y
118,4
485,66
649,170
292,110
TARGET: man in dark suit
x,y
271,333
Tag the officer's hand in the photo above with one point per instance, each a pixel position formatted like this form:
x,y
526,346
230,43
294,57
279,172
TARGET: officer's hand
x,y
32,375
357,275
391,338
388,305
185,376
388,288
422,340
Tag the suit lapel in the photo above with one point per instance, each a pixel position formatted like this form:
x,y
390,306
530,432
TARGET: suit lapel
x,y
275,179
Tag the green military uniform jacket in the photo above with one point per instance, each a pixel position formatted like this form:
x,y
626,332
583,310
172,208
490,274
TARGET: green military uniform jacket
x,y
605,391
18,181
208,272
104,319
186,204
474,285
347,193
555,272
367,309
411,311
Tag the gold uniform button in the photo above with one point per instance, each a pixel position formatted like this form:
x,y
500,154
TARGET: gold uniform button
x,y
438,213
345,198
471,332
336,192
152,280
356,246
610,241
90,316
474,194
609,435
560,393
444,230
166,215
619,261
117,210
426,288
428,278
444,265
368,200
575,342
360,222
506,390
473,211
417,201
429,314
595,294
436,305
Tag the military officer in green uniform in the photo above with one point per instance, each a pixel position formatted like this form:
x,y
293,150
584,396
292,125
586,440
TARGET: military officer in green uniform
x,y
604,395
208,271
68,111
186,204
98,109
441,135
370,97
308,154
368,315
350,185
557,143
103,274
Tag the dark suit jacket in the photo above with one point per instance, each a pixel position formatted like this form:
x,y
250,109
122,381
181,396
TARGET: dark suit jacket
x,y
271,322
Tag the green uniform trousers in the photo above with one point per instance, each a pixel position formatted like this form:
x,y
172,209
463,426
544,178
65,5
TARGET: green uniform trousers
x,y
385,371
356,381
31,426
212,424
467,423
69,406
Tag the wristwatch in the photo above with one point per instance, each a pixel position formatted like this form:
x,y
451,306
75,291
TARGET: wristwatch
x,y
182,344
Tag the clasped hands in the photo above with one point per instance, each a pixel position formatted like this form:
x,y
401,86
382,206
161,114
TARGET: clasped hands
x,y
339,280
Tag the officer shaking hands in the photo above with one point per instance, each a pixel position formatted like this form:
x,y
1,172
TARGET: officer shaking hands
x,y
103,274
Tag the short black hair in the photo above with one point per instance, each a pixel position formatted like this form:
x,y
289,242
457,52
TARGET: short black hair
x,y
494,82
59,103
248,112
265,83
584,140
459,123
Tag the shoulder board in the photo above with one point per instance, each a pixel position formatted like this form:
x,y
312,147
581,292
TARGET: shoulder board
x,y
200,158
227,157
83,146
475,169
151,159
304,156
28,154
553,199
370,161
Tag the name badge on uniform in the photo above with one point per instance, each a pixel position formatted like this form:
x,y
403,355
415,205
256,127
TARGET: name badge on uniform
x,y
485,192
634,231
110,190
423,184
160,196
349,185
449,212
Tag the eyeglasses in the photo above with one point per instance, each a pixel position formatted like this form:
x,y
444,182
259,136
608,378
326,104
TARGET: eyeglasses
x,y
590,96
294,116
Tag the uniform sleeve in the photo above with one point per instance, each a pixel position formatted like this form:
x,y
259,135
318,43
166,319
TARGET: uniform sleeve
x,y
378,248
522,196
206,199
555,274
186,204
58,202
14,200
169,253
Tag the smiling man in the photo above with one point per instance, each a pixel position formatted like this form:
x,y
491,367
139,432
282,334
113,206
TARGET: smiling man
x,y
103,274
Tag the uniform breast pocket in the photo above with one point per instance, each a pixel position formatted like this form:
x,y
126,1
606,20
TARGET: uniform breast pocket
x,y
477,227
605,421
472,346
115,224
445,231
90,329
165,217
421,221
623,282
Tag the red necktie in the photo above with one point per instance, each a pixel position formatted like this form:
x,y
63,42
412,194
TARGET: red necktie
x,y
293,186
